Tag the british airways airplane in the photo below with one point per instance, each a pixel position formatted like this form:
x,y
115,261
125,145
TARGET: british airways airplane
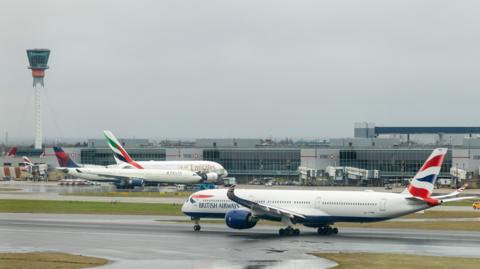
x,y
242,209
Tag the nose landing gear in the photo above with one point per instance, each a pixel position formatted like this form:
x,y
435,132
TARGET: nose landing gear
x,y
197,226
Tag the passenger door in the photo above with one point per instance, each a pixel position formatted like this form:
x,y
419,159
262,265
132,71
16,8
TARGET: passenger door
x,y
383,204
318,202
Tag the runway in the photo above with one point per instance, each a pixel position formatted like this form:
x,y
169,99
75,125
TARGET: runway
x,y
146,242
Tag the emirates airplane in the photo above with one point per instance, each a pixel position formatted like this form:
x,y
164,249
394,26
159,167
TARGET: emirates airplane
x,y
209,171
242,209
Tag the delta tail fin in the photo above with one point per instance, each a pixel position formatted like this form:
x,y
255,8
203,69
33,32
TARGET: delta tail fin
x,y
63,158
424,181
119,153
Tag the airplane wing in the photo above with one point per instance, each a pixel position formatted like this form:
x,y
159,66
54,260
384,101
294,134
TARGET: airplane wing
x,y
106,174
262,209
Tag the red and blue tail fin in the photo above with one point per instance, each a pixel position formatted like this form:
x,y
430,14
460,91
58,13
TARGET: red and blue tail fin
x,y
423,182
12,152
119,152
63,158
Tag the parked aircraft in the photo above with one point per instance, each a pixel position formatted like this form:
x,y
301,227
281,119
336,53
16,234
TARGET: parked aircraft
x,y
12,152
209,171
32,168
242,209
70,167
125,176
27,164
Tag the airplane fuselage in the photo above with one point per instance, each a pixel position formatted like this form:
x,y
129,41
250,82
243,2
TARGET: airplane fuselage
x,y
318,207
177,172
193,166
156,175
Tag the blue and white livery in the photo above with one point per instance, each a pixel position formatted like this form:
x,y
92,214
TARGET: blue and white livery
x,y
242,209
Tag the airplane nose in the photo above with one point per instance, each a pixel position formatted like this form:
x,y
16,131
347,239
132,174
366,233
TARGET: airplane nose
x,y
184,206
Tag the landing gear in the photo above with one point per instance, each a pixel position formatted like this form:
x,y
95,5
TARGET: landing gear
x,y
197,226
288,231
327,230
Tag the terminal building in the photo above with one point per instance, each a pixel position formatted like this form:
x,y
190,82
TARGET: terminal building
x,y
375,155
394,154
244,159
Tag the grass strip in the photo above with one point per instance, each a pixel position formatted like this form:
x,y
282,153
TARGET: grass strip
x,y
78,207
48,260
423,225
431,214
10,189
397,261
131,194
461,203
185,194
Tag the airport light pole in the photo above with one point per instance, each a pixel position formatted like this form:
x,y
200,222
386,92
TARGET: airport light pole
x,y
38,60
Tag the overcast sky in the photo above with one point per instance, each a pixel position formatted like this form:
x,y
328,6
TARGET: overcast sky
x,y
186,69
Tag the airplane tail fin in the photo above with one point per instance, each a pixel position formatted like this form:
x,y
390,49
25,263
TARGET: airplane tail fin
x,y
63,158
12,152
120,154
27,161
422,184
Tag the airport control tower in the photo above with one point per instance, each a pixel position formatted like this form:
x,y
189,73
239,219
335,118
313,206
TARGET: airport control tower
x,y
38,59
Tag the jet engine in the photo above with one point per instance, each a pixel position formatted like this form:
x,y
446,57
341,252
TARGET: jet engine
x,y
136,182
130,184
209,177
240,219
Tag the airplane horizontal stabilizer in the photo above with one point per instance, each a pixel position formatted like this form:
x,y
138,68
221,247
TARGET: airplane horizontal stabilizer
x,y
455,193
459,198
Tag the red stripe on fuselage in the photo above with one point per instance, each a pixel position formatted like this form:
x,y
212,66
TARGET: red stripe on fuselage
x,y
435,161
201,196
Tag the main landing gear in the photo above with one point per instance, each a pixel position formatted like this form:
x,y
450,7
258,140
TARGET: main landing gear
x,y
288,231
327,230
197,226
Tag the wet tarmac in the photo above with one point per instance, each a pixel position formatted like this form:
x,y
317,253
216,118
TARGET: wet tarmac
x,y
145,242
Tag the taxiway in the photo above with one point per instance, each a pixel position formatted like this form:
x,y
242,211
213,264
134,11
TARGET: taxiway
x,y
154,242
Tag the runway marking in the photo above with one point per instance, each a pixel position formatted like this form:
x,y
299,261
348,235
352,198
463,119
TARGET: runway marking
x,y
95,233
